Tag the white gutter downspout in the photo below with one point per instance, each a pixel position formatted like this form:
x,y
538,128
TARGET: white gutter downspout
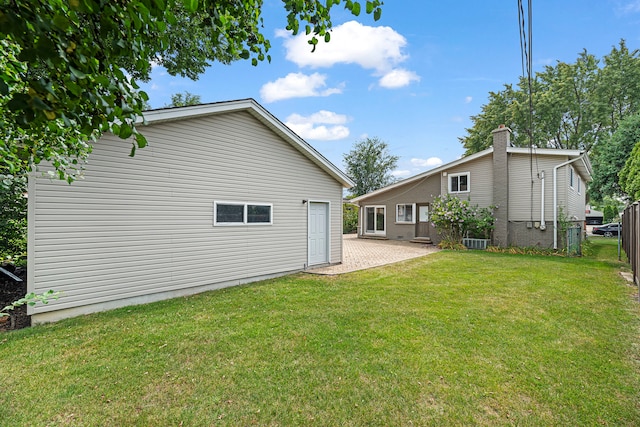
x,y
555,198
543,224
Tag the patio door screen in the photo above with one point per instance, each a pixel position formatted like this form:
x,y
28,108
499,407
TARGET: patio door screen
x,y
374,220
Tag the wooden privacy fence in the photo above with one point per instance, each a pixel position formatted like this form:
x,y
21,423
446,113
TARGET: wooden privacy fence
x,y
631,237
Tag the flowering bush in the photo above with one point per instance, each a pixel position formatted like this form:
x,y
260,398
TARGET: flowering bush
x,y
455,218
480,222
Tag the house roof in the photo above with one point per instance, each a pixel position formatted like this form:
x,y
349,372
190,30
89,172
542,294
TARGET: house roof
x,y
583,165
259,112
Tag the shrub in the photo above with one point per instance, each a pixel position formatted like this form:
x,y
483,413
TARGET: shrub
x,y
349,218
455,218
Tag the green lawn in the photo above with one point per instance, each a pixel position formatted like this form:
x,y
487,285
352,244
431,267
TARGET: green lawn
x,y
454,338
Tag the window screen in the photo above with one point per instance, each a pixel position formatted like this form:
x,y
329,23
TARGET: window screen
x,y
229,213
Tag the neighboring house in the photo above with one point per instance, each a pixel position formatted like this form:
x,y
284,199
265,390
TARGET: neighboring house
x,y
593,217
224,194
531,189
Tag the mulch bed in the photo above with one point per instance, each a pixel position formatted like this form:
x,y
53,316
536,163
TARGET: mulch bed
x,y
10,291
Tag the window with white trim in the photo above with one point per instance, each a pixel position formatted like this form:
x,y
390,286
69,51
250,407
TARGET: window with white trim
x,y
406,213
571,177
235,213
459,182
579,184
374,219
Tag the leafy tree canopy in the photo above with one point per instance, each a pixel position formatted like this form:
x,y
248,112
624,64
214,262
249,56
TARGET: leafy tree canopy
x,y
609,157
13,219
575,106
369,164
630,174
183,99
69,69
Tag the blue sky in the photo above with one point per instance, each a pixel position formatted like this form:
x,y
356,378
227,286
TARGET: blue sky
x,y
412,79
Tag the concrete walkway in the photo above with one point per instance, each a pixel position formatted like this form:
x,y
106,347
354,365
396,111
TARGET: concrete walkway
x,y
359,254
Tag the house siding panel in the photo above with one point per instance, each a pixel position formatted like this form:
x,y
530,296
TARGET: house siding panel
x,y
422,191
144,225
576,197
523,170
480,181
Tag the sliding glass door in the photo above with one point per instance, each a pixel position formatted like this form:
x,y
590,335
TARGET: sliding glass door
x,y
374,220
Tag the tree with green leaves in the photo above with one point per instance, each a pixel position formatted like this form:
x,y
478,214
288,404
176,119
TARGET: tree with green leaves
x,y
184,99
609,157
610,213
13,219
630,174
69,69
369,164
349,218
575,106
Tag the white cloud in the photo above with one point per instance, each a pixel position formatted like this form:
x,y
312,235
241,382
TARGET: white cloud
x,y
401,173
322,116
398,78
321,133
431,162
297,85
373,48
630,7
468,100
314,126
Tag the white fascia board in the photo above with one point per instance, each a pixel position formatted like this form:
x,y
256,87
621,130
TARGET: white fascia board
x,y
545,151
192,111
588,170
426,174
259,112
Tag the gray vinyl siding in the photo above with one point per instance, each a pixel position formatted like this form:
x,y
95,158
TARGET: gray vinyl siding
x,y
422,191
142,225
480,181
520,187
563,187
576,197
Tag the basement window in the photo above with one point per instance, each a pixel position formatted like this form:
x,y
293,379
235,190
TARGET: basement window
x,y
235,213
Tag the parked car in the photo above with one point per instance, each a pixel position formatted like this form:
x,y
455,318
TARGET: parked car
x,y
607,230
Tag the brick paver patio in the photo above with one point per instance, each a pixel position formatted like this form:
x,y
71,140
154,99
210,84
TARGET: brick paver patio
x,y
359,254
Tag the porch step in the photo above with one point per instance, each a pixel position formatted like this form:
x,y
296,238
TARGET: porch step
x,y
374,237
423,240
